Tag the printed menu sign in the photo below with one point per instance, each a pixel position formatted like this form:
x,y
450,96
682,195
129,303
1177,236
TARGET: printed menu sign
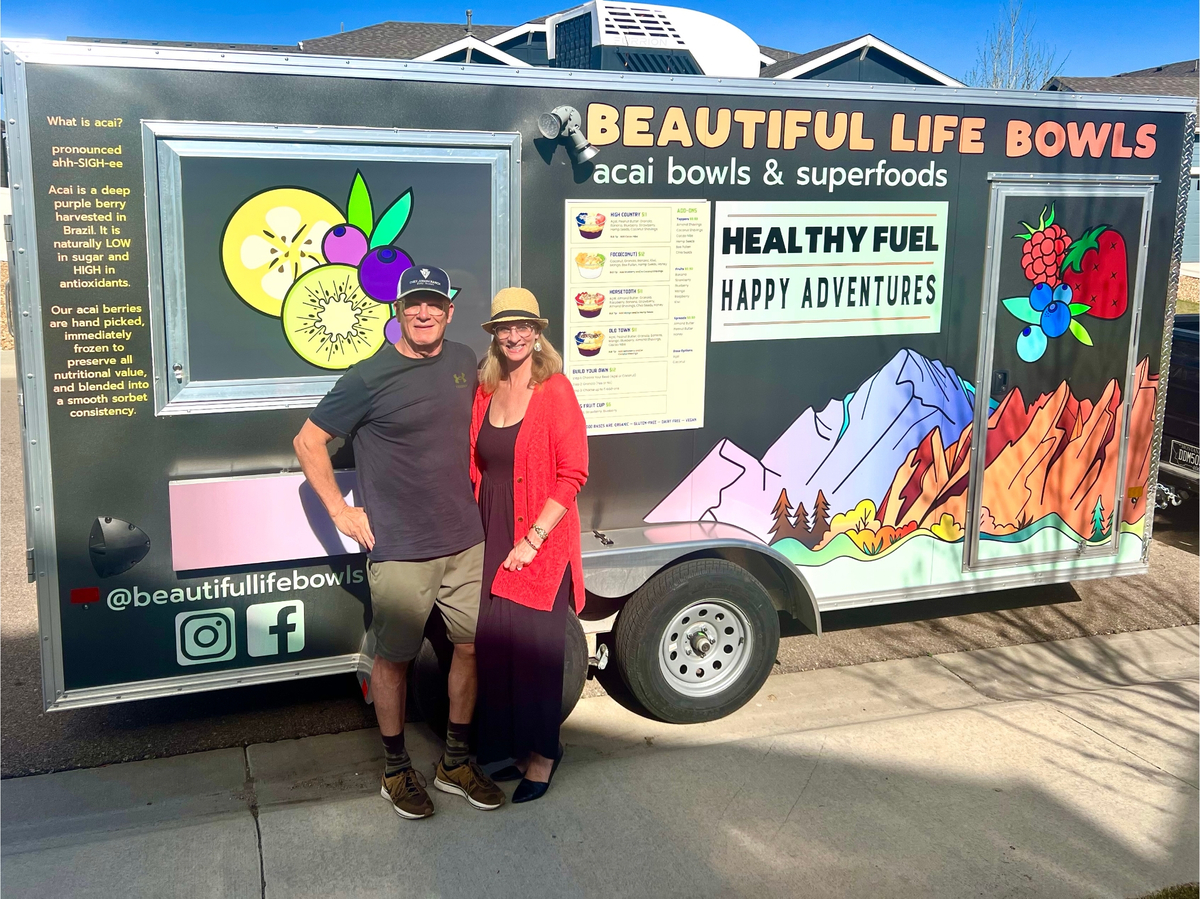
x,y
636,313
784,270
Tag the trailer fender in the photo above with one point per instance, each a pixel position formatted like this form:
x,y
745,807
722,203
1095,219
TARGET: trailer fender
x,y
618,562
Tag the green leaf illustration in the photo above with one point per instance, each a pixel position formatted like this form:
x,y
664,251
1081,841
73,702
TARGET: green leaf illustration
x,y
1022,310
1080,333
1077,308
393,220
358,207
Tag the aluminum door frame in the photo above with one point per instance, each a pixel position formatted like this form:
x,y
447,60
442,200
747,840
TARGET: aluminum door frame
x,y
1003,186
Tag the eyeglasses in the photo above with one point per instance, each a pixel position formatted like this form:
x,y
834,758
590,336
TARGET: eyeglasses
x,y
436,308
521,329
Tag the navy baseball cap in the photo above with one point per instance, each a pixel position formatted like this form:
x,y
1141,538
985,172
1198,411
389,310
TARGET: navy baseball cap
x,y
424,279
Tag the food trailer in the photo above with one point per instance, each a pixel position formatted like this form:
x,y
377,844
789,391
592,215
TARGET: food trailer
x,y
836,344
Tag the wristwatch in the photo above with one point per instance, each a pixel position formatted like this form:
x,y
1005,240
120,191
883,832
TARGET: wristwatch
x,y
541,532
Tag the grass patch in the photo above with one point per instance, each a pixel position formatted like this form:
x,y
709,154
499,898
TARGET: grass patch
x,y
1183,891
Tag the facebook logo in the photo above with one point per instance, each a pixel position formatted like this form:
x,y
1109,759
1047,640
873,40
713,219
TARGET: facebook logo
x,y
275,628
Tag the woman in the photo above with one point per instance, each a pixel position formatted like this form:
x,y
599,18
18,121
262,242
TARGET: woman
x,y
528,461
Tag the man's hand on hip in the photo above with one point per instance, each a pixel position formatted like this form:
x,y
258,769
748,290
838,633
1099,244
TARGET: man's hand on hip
x,y
352,521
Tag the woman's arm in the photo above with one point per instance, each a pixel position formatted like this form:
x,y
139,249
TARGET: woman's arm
x,y
526,550
568,433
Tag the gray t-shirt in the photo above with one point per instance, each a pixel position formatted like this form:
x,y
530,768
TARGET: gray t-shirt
x,y
410,420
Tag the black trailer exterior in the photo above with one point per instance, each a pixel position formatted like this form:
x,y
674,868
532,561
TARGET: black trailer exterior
x,y
776,414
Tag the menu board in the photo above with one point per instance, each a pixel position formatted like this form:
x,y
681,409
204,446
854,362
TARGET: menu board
x,y
636,277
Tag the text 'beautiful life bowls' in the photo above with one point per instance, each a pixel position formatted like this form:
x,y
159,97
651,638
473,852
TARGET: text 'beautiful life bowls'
x,y
591,225
589,304
590,265
589,342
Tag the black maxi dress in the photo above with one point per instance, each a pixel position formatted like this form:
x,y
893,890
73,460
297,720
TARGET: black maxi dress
x,y
519,651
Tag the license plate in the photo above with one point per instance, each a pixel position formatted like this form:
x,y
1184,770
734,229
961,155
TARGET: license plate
x,y
1185,456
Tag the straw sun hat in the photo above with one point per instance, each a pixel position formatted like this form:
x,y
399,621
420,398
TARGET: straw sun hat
x,y
515,304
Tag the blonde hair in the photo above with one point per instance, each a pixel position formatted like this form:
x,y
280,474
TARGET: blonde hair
x,y
546,363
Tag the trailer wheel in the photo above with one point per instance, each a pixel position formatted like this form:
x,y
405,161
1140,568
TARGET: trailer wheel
x,y
695,642
431,667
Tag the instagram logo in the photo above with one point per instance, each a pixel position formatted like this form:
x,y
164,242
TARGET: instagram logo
x,y
204,637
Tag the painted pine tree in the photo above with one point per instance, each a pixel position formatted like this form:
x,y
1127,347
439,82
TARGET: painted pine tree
x,y
782,515
820,521
800,528
1101,523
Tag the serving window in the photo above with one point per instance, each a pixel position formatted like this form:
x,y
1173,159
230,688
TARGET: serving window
x,y
275,250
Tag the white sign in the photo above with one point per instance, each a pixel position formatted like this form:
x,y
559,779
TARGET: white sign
x,y
783,270
636,312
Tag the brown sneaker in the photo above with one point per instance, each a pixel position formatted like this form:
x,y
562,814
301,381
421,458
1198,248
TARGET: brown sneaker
x,y
406,792
469,781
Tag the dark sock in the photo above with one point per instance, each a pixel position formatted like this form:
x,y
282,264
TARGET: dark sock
x,y
457,748
397,755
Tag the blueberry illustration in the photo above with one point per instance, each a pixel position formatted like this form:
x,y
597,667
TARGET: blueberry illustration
x,y
379,273
1062,294
345,244
1031,344
1040,296
1056,318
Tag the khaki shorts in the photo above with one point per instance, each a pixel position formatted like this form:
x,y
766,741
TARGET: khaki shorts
x,y
404,593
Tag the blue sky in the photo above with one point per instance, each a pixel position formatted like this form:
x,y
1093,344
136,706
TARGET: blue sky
x,y
1102,37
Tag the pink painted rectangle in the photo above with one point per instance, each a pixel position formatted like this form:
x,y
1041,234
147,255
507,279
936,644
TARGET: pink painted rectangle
x,y
223,522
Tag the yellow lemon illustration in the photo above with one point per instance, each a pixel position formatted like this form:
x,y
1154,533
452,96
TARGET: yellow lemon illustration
x,y
273,239
328,319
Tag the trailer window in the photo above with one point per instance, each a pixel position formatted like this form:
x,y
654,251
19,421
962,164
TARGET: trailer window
x,y
271,252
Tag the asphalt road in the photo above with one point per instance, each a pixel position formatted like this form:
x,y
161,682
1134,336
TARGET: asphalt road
x,y
32,741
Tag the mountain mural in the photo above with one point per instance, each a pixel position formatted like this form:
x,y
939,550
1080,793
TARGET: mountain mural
x,y
847,451
1054,455
892,460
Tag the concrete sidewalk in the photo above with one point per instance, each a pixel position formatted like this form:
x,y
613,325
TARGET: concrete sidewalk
x,y
1055,769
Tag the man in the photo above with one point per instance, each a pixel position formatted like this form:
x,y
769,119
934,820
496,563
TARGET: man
x,y
408,409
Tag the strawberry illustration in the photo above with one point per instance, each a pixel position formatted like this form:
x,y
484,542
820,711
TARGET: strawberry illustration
x,y
1097,271
1044,248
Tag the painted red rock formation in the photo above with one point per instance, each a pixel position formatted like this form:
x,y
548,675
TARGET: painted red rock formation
x,y
1054,455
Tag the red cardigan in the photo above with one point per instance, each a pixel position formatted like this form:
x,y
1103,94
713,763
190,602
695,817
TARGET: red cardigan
x,y
550,462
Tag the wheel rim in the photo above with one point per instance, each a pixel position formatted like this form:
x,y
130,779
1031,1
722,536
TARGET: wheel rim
x,y
705,647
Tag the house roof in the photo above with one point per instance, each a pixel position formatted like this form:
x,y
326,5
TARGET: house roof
x,y
397,40
788,61
198,45
796,66
1177,79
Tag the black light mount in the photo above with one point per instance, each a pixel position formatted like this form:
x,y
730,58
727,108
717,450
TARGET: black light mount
x,y
565,122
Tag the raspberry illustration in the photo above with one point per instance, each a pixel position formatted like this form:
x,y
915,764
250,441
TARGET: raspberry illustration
x,y
1044,249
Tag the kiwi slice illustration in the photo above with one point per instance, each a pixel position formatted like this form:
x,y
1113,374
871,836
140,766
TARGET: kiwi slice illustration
x,y
328,319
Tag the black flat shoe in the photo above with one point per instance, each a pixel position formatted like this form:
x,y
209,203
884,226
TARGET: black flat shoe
x,y
512,772
529,790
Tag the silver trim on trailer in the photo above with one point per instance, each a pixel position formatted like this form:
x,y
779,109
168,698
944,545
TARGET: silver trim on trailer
x,y
987,585
1004,186
631,556
164,144
1164,360
40,499
64,53
212,680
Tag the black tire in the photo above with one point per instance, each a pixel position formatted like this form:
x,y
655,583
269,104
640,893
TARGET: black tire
x,y
655,607
431,667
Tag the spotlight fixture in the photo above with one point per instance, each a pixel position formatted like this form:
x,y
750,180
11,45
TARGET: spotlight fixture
x,y
565,121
